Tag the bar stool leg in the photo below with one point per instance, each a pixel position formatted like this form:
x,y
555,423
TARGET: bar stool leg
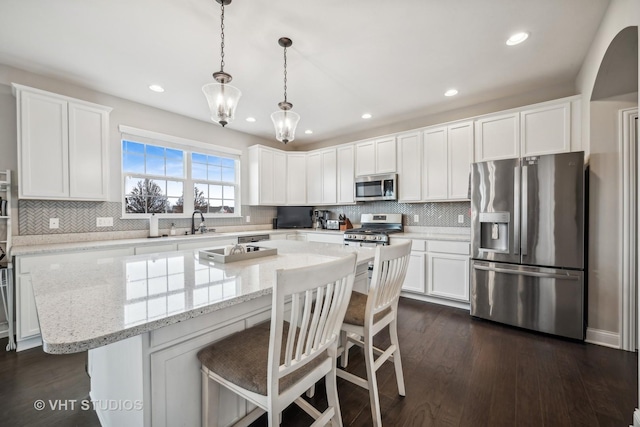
x,y
393,334
372,381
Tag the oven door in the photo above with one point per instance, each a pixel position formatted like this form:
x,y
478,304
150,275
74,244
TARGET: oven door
x,y
361,244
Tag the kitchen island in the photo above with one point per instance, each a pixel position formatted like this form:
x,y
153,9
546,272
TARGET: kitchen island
x,y
143,318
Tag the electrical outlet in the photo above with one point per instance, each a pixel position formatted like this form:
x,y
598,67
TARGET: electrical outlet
x,y
460,219
104,222
54,223
248,218
416,218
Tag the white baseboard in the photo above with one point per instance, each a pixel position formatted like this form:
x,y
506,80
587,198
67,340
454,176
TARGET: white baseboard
x,y
636,418
435,300
29,343
604,338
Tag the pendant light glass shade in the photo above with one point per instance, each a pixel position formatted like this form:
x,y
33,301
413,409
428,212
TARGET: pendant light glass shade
x,y
222,97
223,100
285,122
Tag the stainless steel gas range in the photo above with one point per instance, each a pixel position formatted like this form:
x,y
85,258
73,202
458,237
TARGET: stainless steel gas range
x,y
374,230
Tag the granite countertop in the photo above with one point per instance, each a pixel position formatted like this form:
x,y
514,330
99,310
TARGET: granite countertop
x,y
87,304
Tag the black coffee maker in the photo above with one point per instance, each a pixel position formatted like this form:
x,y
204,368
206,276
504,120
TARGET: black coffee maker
x,y
320,218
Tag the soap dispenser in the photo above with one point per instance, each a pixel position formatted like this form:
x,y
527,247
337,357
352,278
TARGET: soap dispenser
x,y
173,229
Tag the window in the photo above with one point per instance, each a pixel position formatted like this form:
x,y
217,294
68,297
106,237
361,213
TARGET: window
x,y
169,177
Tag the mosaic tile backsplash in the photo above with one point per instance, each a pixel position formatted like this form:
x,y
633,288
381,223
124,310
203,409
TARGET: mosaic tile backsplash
x,y
80,217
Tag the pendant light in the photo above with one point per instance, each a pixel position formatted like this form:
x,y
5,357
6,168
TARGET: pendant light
x,y
221,96
285,120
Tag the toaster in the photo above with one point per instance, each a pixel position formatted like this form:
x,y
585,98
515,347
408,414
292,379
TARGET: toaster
x,y
333,224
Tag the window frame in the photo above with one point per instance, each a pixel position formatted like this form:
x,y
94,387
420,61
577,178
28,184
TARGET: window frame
x,y
188,147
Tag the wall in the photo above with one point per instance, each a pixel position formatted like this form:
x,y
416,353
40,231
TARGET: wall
x,y
604,310
605,215
34,215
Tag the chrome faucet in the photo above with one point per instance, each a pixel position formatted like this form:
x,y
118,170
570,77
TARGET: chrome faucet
x,y
193,224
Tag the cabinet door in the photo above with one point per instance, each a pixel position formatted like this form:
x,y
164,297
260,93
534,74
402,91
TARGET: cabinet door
x,y
410,167
460,147
435,164
366,158
296,179
329,176
88,165
346,173
415,278
314,178
448,276
498,137
546,130
27,315
43,152
386,155
279,178
265,171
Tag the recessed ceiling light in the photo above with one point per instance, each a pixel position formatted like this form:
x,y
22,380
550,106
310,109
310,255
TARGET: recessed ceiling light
x,y
308,131
451,92
156,88
366,116
517,38
251,119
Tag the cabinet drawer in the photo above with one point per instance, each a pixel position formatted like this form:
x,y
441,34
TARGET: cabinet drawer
x,y
461,248
26,263
416,245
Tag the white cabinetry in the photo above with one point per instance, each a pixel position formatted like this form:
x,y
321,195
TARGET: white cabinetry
x,y
435,164
410,167
62,146
337,239
296,182
322,177
376,156
346,174
438,271
459,159
546,128
448,270
268,176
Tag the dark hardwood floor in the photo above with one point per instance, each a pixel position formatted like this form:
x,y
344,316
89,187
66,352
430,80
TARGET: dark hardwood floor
x,y
458,372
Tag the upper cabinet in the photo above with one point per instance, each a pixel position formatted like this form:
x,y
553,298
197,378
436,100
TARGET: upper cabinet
x,y
546,128
434,164
62,147
322,177
268,176
376,156
296,182
346,173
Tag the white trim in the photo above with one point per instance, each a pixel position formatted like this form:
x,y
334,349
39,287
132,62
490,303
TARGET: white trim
x,y
177,140
636,418
441,301
603,338
628,227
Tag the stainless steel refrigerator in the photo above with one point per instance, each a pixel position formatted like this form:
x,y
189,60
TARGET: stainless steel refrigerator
x,y
528,243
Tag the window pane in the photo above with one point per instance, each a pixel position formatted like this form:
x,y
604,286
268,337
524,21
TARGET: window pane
x,y
155,187
133,147
174,189
230,206
155,166
175,168
174,154
215,191
200,199
198,171
152,150
135,204
228,175
132,163
200,158
215,173
157,204
229,192
228,163
131,185
175,205
201,190
216,206
214,160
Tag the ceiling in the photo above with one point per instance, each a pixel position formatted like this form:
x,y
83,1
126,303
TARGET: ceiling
x,y
392,59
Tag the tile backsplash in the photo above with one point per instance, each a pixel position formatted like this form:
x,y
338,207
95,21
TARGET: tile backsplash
x,y
80,217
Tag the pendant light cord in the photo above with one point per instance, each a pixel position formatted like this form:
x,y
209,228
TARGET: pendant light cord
x,y
222,36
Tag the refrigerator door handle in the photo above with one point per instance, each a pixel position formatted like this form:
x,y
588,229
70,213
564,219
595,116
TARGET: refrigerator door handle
x,y
516,210
524,231
527,273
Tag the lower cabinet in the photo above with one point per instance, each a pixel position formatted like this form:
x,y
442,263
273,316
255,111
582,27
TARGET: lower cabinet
x,y
438,271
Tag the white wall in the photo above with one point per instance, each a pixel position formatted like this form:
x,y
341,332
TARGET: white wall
x,y
605,213
124,112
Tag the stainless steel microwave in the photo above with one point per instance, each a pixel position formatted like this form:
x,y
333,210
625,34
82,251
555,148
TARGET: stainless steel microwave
x,y
376,187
